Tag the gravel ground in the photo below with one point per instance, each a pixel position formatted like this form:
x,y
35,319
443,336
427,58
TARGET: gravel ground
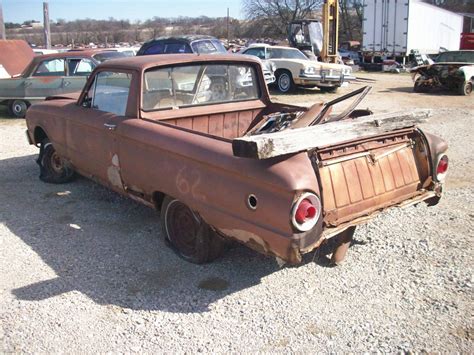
x,y
84,270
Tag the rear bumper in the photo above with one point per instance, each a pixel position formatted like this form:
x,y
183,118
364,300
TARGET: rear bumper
x,y
423,195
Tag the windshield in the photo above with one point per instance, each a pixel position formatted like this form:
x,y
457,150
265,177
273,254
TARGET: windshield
x,y
208,46
457,56
285,53
102,57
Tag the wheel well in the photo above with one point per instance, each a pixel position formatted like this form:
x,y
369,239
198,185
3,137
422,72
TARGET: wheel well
x,y
278,71
158,198
40,135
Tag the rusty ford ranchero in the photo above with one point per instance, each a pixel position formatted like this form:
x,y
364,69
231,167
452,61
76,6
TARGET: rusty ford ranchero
x,y
198,138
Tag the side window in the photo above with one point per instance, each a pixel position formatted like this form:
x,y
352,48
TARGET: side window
x,y
51,67
204,47
80,67
194,85
177,48
109,92
157,48
258,52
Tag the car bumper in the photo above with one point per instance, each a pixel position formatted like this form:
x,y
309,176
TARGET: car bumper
x,y
323,80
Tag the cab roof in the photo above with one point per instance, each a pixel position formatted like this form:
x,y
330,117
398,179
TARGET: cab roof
x,y
142,63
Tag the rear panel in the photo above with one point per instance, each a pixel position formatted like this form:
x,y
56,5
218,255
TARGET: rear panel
x,y
360,178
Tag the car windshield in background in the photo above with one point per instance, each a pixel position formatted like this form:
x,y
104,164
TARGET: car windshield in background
x,y
283,53
208,47
194,85
102,57
457,56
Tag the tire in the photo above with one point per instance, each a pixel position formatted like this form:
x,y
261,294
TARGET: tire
x,y
187,234
418,86
328,89
18,108
466,88
53,169
284,82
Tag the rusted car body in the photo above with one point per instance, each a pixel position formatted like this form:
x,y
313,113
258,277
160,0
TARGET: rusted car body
x,y
155,132
453,71
50,74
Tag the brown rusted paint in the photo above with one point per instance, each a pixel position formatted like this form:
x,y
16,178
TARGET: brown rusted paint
x,y
188,155
15,55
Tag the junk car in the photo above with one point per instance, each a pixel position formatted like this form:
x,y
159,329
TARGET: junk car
x,y
452,71
221,161
50,74
294,68
197,44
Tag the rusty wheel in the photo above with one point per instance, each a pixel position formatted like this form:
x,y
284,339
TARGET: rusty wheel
x,y
188,234
53,168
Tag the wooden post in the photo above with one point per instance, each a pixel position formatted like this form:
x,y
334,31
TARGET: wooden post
x,y
47,32
2,25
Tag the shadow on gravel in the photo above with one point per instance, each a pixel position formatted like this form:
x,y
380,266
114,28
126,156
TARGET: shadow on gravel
x,y
111,248
432,92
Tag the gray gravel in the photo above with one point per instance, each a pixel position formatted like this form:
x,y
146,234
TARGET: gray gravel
x,y
82,269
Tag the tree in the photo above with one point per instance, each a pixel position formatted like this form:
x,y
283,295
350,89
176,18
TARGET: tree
x,y
278,14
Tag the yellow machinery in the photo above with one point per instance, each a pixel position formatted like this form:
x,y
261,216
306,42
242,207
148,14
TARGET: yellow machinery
x,y
330,31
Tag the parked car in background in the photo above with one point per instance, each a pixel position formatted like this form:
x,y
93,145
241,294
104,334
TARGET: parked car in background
x,y
199,44
452,71
189,136
294,68
50,74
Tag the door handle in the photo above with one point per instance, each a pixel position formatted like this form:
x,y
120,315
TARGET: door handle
x,y
110,126
67,83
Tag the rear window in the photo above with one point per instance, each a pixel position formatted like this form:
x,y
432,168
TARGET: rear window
x,y
194,85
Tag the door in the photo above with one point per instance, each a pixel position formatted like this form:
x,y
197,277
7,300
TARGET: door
x,y
77,71
46,80
91,128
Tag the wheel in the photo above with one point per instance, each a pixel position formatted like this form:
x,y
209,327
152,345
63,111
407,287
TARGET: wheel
x,y
285,81
466,88
18,108
53,169
189,236
418,86
329,89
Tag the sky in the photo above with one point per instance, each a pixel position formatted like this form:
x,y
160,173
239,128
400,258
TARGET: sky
x,y
22,10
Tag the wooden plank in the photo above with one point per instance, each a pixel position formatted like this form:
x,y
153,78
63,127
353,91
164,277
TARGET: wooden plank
x,y
268,145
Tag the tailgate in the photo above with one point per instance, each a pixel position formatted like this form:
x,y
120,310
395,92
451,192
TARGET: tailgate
x,y
368,175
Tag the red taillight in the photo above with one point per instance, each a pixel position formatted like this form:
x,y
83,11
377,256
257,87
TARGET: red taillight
x,y
305,211
442,165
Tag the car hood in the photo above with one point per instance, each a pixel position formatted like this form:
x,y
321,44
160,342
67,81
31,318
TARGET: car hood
x,y
442,64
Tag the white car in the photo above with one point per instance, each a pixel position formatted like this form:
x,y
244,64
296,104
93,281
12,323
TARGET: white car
x,y
294,68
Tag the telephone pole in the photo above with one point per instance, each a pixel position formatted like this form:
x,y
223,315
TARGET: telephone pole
x,y
47,32
2,25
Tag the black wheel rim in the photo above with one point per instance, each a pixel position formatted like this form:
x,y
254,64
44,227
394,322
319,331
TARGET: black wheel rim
x,y
182,227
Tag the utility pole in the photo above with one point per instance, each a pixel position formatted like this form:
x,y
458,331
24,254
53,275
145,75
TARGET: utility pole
x,y
47,32
2,24
228,38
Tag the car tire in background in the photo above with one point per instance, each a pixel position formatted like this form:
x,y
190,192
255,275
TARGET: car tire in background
x,y
53,168
188,234
466,88
284,81
18,108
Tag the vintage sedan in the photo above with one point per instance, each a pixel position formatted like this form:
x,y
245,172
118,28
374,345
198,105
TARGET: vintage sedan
x,y
50,74
221,161
294,68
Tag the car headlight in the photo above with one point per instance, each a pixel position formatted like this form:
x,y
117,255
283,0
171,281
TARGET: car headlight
x,y
310,70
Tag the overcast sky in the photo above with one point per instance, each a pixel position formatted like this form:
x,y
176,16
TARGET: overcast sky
x,y
22,10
